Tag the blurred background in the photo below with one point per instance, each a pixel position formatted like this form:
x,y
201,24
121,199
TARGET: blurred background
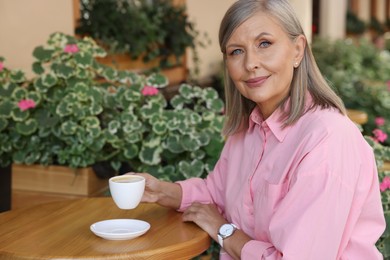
x,y
25,24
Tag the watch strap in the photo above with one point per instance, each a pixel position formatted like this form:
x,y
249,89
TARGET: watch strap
x,y
220,240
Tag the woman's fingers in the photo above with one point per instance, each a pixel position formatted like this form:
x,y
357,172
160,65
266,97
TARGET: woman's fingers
x,y
206,216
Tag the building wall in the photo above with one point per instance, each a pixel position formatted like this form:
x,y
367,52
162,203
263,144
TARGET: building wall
x,y
25,24
207,16
304,11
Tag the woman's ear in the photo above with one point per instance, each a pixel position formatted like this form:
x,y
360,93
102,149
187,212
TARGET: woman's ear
x,y
300,45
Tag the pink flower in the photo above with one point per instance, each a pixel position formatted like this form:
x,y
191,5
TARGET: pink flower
x,y
1,66
385,184
149,91
379,135
379,121
26,104
71,48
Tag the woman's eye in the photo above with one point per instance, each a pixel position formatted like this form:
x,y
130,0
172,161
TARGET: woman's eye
x,y
264,44
236,52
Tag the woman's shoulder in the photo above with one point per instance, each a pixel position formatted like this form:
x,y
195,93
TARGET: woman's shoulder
x,y
328,120
332,125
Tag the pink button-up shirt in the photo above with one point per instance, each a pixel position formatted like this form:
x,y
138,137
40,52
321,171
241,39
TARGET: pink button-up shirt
x,y
307,191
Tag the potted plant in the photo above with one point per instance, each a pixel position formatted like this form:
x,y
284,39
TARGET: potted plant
x,y
51,118
377,28
141,34
78,113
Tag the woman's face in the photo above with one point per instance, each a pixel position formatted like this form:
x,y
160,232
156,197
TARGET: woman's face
x,y
260,59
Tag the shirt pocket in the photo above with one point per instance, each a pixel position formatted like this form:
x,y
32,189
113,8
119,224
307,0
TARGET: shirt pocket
x,y
267,198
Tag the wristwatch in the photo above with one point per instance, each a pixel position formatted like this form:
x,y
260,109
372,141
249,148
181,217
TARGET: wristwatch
x,y
225,231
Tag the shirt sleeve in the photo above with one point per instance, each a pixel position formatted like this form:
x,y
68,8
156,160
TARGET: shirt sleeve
x,y
332,209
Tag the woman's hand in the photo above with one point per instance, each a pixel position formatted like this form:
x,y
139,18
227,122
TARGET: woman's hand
x,y
166,194
151,193
206,216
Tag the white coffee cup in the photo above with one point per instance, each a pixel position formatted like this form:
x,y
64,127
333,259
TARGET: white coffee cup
x,y
127,190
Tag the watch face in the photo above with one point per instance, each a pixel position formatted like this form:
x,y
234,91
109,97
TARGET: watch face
x,y
226,230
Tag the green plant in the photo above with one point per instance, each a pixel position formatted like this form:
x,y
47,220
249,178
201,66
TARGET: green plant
x,y
178,142
387,41
354,24
77,112
359,73
387,24
377,26
9,79
148,29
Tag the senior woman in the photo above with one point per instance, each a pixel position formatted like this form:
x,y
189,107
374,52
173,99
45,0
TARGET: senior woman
x,y
296,179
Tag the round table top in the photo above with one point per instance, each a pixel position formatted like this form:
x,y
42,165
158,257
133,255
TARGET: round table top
x,y
61,230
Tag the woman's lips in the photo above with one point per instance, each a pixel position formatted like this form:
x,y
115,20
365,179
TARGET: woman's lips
x,y
256,82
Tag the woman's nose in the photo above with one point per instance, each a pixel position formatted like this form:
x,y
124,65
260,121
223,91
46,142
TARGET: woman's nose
x,y
252,61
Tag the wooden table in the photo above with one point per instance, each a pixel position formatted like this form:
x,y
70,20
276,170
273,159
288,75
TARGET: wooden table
x,y
61,230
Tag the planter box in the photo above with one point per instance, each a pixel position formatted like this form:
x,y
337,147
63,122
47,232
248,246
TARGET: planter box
x,y
175,75
57,179
5,189
357,116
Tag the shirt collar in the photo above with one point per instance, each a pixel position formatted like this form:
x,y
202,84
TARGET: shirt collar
x,y
275,121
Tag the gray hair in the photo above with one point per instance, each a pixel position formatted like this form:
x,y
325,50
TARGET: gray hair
x,y
306,77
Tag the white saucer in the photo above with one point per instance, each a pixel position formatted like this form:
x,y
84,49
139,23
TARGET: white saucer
x,y
120,229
